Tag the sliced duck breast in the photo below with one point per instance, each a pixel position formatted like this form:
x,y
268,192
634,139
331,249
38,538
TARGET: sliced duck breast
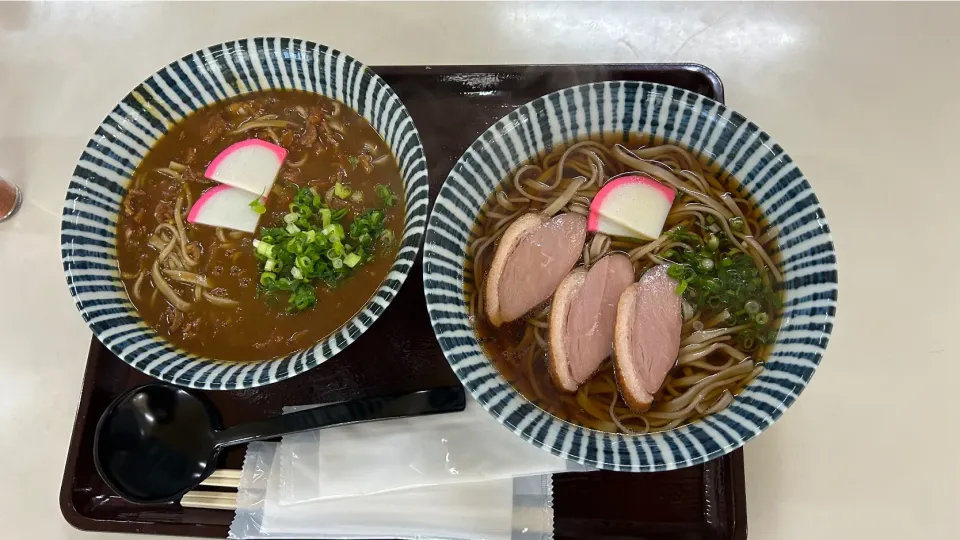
x,y
646,336
582,318
532,258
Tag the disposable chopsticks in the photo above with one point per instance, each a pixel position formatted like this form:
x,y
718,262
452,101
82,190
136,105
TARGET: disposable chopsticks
x,y
214,500
209,500
228,478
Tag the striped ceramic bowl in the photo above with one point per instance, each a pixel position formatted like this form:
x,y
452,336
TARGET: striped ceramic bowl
x,y
88,229
693,121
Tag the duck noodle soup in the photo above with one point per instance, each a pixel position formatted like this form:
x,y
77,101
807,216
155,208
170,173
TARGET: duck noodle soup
x,y
625,287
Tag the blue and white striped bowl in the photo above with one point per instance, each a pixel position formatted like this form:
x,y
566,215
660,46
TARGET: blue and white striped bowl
x,y
767,173
89,225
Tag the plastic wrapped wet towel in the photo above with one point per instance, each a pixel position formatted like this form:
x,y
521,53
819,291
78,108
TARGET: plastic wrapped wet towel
x,y
467,446
505,509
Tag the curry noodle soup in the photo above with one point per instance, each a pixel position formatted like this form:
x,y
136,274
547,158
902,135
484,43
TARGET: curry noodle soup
x,y
212,291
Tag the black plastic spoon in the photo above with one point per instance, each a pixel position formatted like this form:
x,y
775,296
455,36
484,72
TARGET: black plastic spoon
x,y
156,442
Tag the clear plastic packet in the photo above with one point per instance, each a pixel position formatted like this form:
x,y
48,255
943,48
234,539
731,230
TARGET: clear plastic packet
x,y
506,509
468,446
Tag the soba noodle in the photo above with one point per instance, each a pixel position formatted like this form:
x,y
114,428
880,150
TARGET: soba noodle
x,y
714,363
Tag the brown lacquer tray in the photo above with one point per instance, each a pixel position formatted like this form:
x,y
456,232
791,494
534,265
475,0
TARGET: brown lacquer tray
x,y
451,106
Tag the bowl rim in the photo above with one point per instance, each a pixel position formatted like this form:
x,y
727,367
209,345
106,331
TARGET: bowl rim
x,y
164,98
445,267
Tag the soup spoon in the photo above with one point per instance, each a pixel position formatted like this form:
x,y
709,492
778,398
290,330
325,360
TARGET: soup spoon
x,y
156,442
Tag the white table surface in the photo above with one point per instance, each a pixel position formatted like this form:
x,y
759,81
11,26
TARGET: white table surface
x,y
864,97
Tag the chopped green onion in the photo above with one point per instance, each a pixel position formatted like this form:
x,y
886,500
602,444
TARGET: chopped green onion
x,y
713,242
303,297
314,243
257,206
263,248
387,238
385,194
354,161
293,246
341,191
715,276
357,197
336,251
326,217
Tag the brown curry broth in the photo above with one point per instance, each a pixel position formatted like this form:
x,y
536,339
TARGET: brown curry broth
x,y
259,328
501,344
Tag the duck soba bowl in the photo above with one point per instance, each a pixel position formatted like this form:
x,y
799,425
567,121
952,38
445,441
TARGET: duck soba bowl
x,y
630,275
245,213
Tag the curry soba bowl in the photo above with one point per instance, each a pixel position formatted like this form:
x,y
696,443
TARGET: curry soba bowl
x,y
245,213
630,275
